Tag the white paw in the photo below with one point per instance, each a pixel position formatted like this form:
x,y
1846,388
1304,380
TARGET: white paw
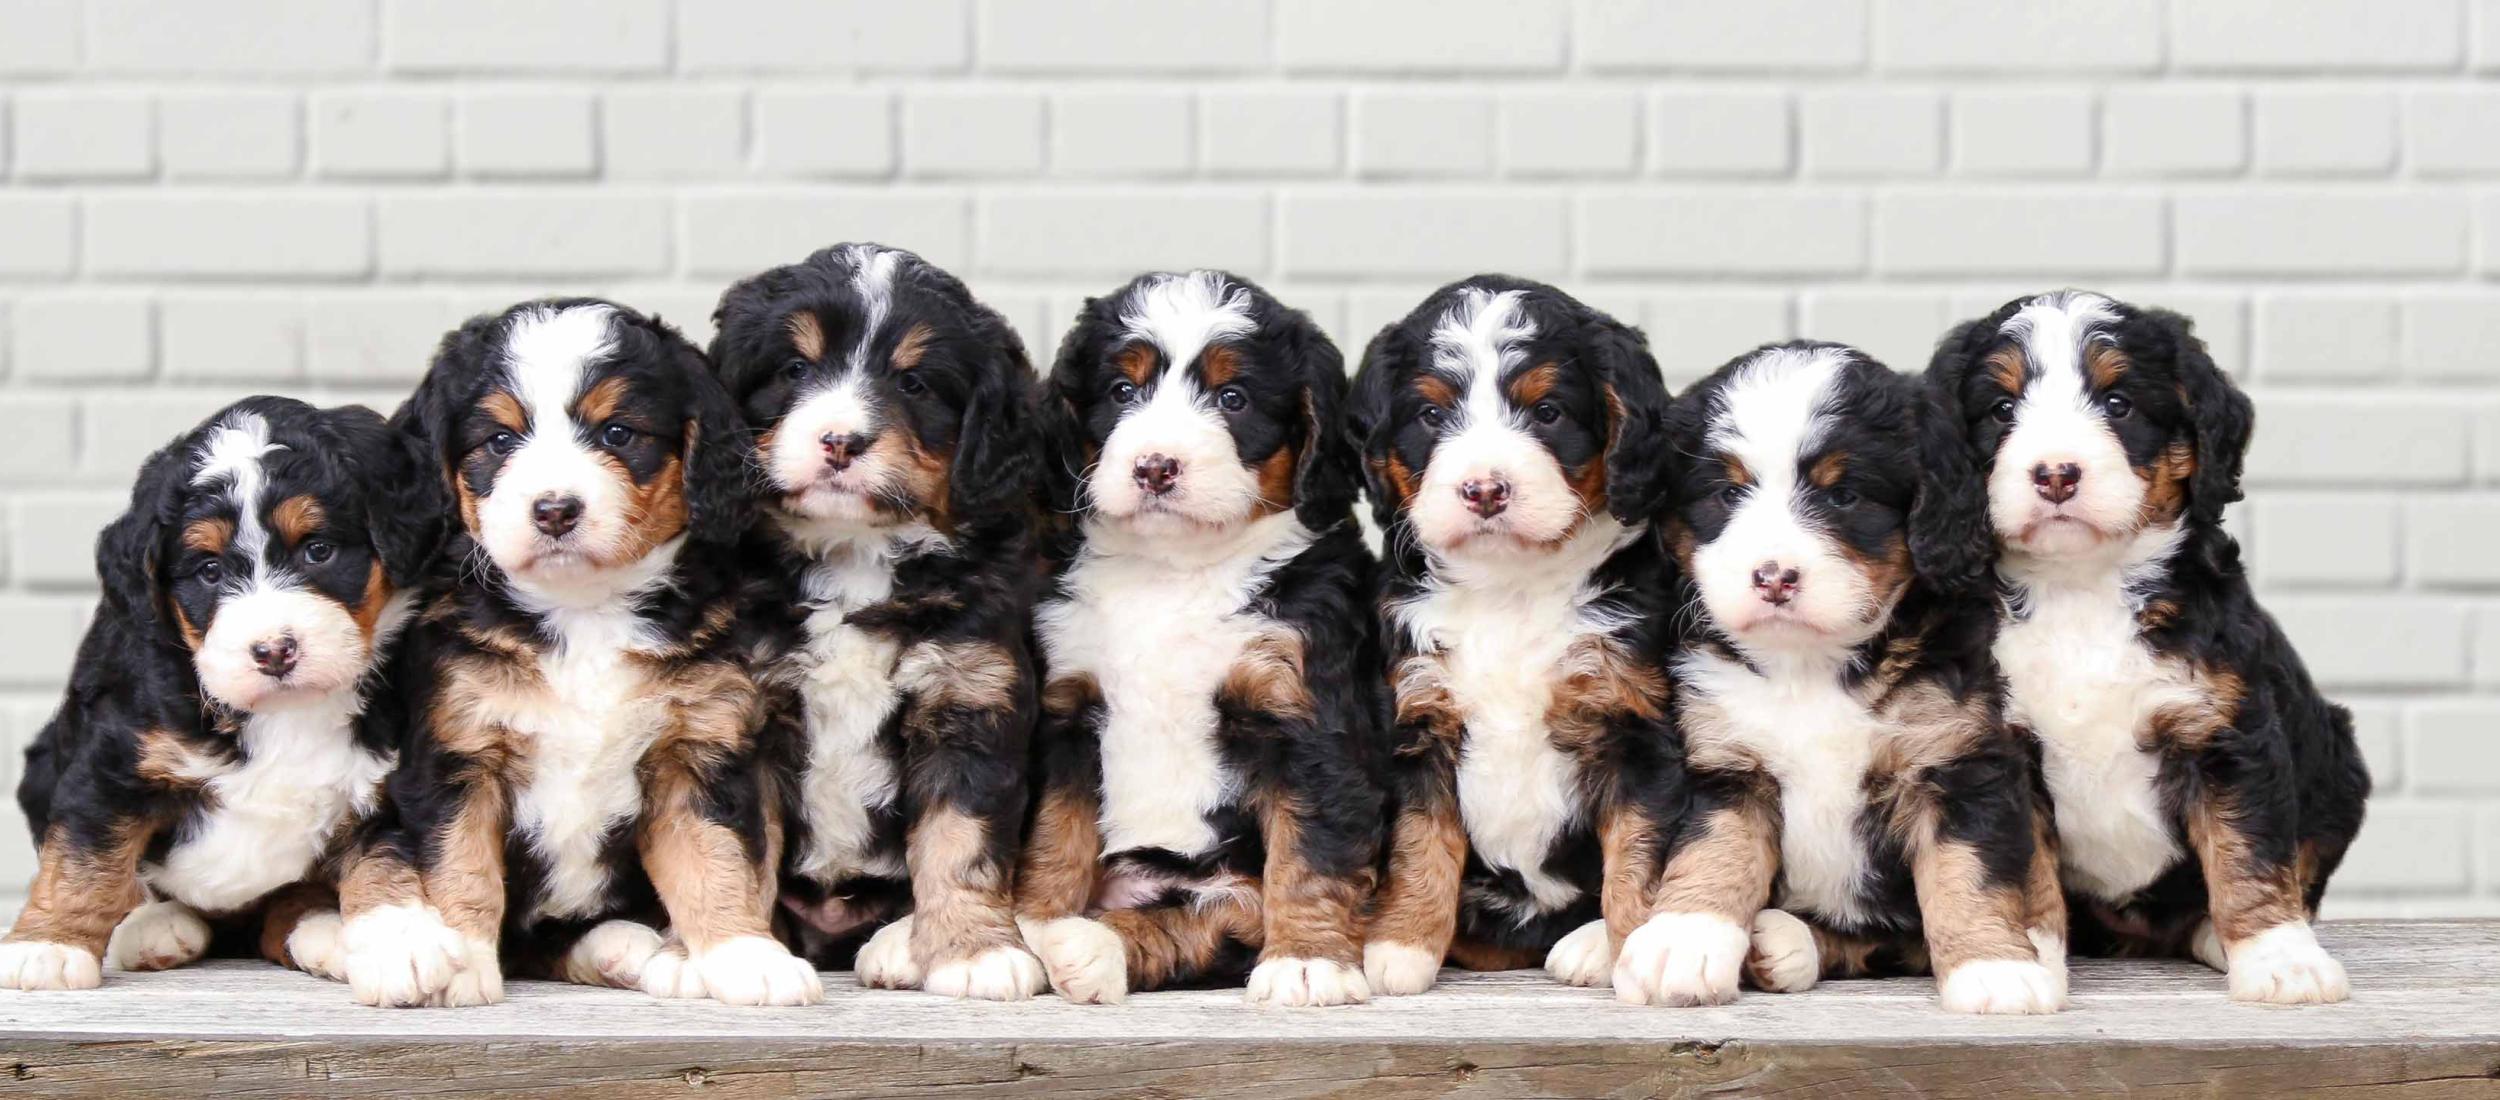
x,y
1397,969
2051,947
318,945
885,961
1006,973
1086,961
2284,965
757,970
1299,983
1681,959
1784,958
2205,945
670,974
1585,957
32,964
612,954
2003,987
159,935
479,981
400,955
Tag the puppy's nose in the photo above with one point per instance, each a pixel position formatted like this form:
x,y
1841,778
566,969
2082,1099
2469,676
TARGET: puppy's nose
x,y
275,658
556,515
2056,483
1775,583
842,450
1156,474
1486,496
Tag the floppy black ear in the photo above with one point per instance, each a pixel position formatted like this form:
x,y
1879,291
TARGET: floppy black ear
x,y
406,504
1055,417
720,458
1950,365
129,552
1367,413
2224,418
1952,542
1325,474
993,468
1636,401
427,416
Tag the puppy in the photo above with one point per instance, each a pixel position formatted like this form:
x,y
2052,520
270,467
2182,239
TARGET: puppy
x,y
222,736
1512,445
2204,790
890,408
581,763
1840,715
1208,782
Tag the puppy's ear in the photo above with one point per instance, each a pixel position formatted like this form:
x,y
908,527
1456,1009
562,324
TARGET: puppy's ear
x,y
1056,417
1324,474
1952,543
993,470
719,459
1636,402
428,416
2223,417
406,504
1388,358
129,553
1950,366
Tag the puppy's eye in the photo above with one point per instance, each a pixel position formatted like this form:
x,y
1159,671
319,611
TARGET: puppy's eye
x,y
210,572
2003,410
616,435
1124,392
2117,406
910,383
501,443
1840,497
318,551
1231,399
1546,412
796,370
1432,416
1731,493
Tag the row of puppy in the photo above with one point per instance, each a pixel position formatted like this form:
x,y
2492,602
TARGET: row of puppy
x,y
851,642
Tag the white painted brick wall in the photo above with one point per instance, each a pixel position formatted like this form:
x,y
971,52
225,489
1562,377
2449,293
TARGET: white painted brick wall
x,y
201,200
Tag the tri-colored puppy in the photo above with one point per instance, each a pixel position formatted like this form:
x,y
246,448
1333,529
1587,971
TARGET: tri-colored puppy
x,y
223,734
2204,788
1513,448
581,765
1840,712
1208,787
890,409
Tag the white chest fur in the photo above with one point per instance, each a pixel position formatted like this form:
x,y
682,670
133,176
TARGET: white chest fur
x,y
275,813
845,680
1159,627
1818,740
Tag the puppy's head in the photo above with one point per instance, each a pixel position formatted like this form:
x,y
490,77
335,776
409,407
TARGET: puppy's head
x,y
2094,420
274,543
1500,413
1816,487
578,437
1194,402
881,391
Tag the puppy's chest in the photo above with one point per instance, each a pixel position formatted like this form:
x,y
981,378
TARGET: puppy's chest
x,y
268,818
844,677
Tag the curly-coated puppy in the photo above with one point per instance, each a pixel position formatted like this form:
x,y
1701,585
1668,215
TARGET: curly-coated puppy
x,y
1513,449
223,735
890,410
1207,782
2204,789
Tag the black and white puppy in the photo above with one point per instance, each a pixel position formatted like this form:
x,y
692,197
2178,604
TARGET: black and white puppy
x,y
890,409
1513,446
222,737
1841,716
581,765
1208,782
2204,790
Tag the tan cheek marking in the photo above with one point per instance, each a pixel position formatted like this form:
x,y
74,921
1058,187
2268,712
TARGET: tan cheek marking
x,y
2166,484
369,604
191,636
296,518
1275,483
659,505
807,335
1887,572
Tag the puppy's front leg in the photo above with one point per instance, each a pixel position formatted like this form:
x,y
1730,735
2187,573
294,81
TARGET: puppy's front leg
x,y
712,877
1318,871
1973,829
87,880
1692,947
1416,917
2243,826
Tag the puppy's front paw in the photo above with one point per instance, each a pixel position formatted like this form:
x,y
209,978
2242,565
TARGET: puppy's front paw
x,y
1585,957
33,965
1003,973
1399,970
669,974
159,935
1295,983
885,961
318,945
479,981
612,954
2284,965
1681,959
2003,987
1784,958
399,956
756,970
1086,961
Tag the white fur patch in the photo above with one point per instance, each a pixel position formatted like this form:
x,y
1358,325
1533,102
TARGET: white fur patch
x,y
1181,314
1297,983
270,817
885,961
318,945
1681,959
232,453
1783,958
612,954
1004,973
1585,957
1397,969
157,936
2002,987
401,956
34,965
2285,965
757,970
1086,960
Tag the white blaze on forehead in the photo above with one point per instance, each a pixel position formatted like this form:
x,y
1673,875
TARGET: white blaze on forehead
x,y
1775,411
547,353
2053,330
1480,339
872,278
1182,314
232,454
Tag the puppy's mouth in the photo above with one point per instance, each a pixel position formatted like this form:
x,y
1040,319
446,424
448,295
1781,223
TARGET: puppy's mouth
x,y
2052,528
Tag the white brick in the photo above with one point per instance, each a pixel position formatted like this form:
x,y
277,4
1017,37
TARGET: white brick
x,y
228,135
2408,848
732,236
526,132
38,36
538,36
1711,132
41,441
821,35
1090,37
232,337
1125,134
1402,36
2378,727
2487,646
972,133
824,132
2156,131
2452,336
1722,231
1271,131
2376,641
1426,234
38,235
1115,234
83,337
1694,333
2485,19
1898,327
2319,233
290,235
2325,132
1709,35
118,430
2357,439
83,135
2487,444
52,536
369,338
2030,230
1570,133
2022,133
1992,37
530,234
2449,539
1400,133
672,134
1872,133
230,37
381,135
2322,538
2303,337
2453,132
43,633
2359,35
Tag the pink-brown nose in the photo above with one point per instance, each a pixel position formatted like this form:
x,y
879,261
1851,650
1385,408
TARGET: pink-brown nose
x,y
1157,474
2057,484
556,515
275,658
842,450
1487,497
1775,583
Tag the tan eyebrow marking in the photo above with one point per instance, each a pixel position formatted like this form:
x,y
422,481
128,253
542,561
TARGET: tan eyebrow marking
x,y
601,401
2105,364
1737,474
914,346
208,536
1137,361
2010,369
806,334
1219,364
297,517
1826,470
505,409
1531,385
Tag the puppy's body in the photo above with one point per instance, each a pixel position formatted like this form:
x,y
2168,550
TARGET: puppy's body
x,y
2204,789
223,734
1512,447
